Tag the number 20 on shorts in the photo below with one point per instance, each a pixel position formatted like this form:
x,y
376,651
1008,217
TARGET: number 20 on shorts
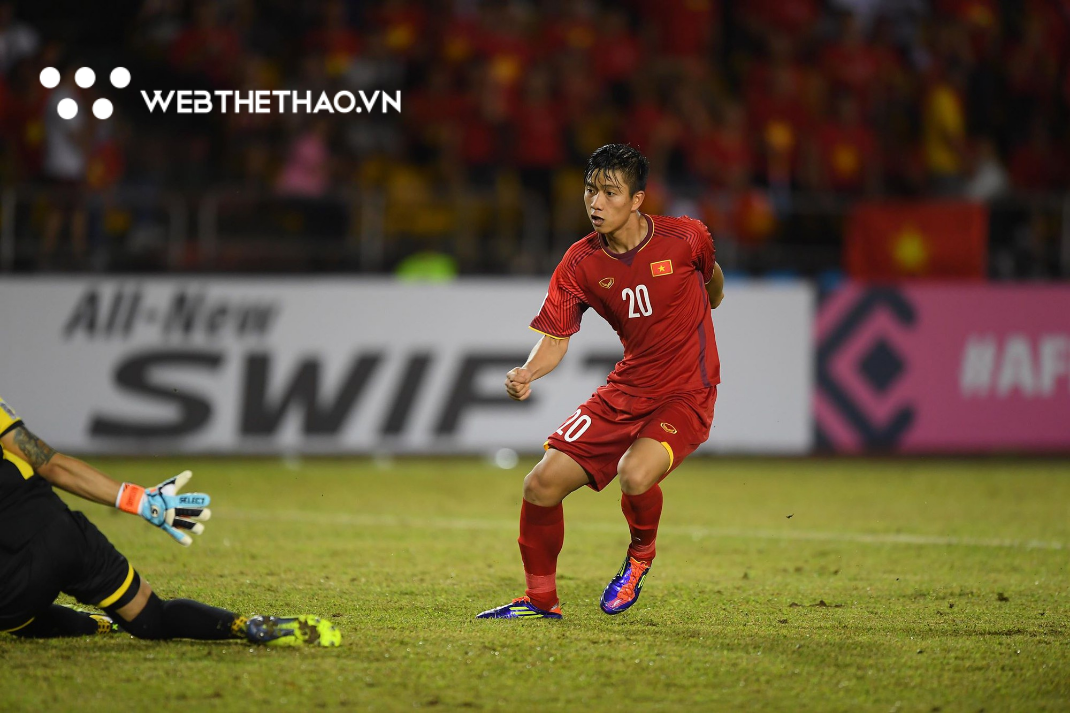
x,y
576,425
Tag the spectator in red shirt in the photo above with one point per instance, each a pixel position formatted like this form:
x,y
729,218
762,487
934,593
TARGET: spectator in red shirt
x,y
539,144
1032,71
686,29
434,112
794,17
574,30
780,121
482,126
975,13
334,40
648,127
589,117
731,149
207,49
720,152
1036,164
402,24
619,55
505,46
459,40
782,57
843,153
23,106
850,63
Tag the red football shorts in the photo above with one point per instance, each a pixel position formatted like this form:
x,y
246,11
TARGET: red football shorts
x,y
602,429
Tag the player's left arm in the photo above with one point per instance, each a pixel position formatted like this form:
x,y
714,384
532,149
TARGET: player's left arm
x,y
704,259
715,287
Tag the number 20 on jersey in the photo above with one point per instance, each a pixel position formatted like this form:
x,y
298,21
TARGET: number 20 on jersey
x,y
638,301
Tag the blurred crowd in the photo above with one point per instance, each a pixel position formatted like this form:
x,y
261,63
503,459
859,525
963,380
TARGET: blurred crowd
x,y
748,111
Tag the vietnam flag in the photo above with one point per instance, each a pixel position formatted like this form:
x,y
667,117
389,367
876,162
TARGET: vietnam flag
x,y
933,239
661,267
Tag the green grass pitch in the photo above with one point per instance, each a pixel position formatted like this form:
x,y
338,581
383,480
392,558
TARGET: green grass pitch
x,y
824,585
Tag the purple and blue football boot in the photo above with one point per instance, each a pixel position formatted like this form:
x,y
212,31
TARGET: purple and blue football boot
x,y
623,590
521,608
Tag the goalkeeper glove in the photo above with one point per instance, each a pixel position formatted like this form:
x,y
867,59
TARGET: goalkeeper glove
x,y
165,508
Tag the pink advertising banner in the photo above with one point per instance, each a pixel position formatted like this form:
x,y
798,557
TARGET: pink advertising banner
x,y
944,368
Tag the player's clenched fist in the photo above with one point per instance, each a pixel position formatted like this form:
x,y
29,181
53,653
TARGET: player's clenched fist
x,y
518,383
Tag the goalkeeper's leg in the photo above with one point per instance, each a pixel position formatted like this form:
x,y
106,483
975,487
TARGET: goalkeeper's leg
x,y
146,616
59,621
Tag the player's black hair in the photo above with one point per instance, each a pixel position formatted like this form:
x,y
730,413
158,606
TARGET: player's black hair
x,y
632,166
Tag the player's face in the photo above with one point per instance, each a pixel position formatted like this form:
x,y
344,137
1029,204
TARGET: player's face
x,y
609,202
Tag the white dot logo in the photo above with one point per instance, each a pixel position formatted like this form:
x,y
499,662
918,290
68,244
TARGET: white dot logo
x,y
85,78
67,108
50,77
120,77
102,108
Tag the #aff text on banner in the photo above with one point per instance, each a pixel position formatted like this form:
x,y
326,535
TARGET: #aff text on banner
x,y
944,369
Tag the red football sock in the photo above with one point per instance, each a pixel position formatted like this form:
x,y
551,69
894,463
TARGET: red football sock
x,y
542,532
643,513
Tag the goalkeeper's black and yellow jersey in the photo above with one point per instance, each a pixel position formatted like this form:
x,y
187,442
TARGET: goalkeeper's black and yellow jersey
x,y
27,503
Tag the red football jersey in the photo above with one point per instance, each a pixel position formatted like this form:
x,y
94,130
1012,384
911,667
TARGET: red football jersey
x,y
654,297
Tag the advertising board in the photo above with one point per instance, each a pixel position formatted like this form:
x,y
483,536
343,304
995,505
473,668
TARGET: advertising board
x,y
250,365
944,368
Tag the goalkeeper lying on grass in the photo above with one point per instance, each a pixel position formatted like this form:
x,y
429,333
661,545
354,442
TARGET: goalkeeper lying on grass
x,y
46,549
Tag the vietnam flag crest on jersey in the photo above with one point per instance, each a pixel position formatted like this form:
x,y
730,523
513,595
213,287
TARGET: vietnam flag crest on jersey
x,y
661,267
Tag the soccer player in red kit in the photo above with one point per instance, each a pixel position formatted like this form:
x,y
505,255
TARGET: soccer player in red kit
x,y
654,279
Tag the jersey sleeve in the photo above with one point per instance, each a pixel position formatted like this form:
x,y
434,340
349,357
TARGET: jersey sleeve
x,y
8,418
563,306
703,252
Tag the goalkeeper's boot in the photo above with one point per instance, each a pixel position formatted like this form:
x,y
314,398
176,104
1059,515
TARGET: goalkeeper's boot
x,y
521,608
292,631
105,625
623,590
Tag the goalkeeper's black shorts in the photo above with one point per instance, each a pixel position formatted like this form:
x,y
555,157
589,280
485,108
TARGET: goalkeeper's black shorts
x,y
69,555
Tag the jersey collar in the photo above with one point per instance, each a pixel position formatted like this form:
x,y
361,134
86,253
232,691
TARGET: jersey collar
x,y
627,257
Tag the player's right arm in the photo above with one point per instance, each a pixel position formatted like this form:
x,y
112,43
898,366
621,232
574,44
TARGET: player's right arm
x,y
162,505
558,319
64,472
543,359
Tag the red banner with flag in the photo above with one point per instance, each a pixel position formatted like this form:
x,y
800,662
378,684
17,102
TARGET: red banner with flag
x,y
938,239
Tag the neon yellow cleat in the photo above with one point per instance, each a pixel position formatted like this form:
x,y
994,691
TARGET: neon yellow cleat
x,y
105,625
292,631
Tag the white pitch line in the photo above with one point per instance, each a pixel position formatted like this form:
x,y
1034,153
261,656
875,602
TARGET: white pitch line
x,y
696,532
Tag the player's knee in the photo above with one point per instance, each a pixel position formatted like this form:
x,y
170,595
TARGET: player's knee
x,y
539,488
635,483
535,490
148,624
635,479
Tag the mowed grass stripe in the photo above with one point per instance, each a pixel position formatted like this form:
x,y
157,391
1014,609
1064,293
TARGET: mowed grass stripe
x,y
696,532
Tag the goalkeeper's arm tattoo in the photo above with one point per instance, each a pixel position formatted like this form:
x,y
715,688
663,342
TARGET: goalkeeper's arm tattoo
x,y
37,452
